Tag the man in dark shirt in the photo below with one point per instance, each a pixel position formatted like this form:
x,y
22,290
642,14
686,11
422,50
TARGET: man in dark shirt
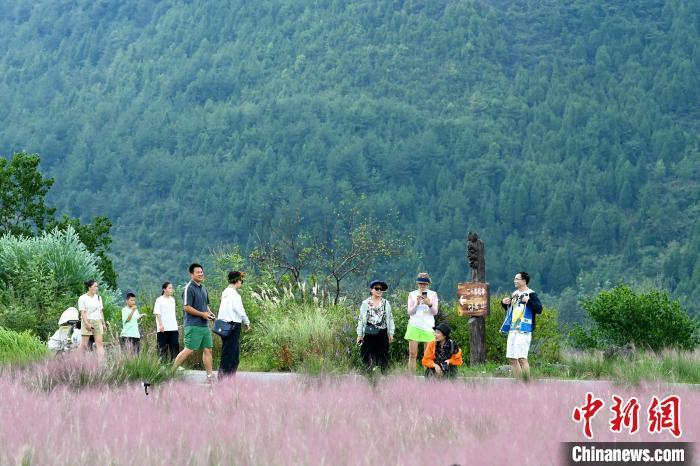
x,y
196,317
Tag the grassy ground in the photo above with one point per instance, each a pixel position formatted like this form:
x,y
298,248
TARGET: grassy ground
x,y
668,366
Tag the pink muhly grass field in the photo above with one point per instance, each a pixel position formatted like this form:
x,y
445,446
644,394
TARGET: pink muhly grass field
x,y
317,422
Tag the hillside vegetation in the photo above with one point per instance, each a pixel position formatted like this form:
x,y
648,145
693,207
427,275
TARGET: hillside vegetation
x,y
564,132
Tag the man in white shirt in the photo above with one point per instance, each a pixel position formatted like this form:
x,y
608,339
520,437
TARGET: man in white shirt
x,y
231,310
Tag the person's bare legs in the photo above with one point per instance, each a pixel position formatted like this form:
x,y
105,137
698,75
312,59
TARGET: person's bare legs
x,y
181,357
515,365
525,368
83,343
412,355
100,348
207,360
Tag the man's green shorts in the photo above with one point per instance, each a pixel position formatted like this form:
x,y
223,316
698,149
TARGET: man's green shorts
x,y
197,338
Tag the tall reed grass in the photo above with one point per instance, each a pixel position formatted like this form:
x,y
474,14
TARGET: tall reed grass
x,y
20,347
305,337
344,421
670,366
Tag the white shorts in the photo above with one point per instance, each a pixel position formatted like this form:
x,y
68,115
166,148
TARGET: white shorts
x,y
518,344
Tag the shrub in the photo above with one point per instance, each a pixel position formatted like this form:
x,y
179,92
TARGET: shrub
x,y
40,277
20,347
649,320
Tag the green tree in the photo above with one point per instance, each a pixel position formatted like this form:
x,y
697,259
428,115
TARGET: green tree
x,y
561,274
23,211
649,320
22,192
354,246
287,249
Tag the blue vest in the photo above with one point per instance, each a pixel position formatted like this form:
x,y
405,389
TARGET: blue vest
x,y
527,324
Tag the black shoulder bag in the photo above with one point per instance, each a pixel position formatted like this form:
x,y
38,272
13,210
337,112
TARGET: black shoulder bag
x,y
222,328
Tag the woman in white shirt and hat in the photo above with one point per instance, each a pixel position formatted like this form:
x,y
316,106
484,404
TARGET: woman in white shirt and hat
x,y
231,310
422,309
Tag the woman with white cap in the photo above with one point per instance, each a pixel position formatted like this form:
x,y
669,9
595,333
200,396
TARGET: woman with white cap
x,y
422,309
375,327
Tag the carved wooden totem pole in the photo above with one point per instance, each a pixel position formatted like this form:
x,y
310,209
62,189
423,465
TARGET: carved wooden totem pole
x,y
474,299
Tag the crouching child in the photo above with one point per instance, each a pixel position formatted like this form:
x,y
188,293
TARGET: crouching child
x,y
442,356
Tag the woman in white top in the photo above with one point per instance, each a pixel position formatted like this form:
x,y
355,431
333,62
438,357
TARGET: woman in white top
x,y
166,323
92,319
422,309
231,310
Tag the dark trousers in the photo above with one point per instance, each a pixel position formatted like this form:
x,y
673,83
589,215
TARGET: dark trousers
x,y
168,342
131,345
230,351
375,350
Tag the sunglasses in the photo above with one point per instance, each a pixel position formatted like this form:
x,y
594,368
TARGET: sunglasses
x,y
378,288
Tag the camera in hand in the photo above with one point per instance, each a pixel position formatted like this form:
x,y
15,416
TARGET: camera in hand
x,y
424,293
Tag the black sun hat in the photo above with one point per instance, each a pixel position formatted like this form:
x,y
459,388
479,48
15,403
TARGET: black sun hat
x,y
378,282
444,328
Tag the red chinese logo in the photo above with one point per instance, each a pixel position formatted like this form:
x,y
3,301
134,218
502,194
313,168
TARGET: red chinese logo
x,y
586,412
627,416
665,415
662,415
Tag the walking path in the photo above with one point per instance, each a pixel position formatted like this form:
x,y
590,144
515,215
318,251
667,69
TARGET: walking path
x,y
200,378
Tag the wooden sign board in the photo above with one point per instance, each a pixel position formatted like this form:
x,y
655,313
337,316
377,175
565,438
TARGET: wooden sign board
x,y
473,299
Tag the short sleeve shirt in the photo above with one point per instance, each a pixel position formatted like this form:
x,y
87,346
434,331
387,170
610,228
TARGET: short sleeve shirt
x,y
165,308
93,306
130,328
197,297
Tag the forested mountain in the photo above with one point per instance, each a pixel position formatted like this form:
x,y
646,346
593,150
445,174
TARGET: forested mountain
x,y
564,132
